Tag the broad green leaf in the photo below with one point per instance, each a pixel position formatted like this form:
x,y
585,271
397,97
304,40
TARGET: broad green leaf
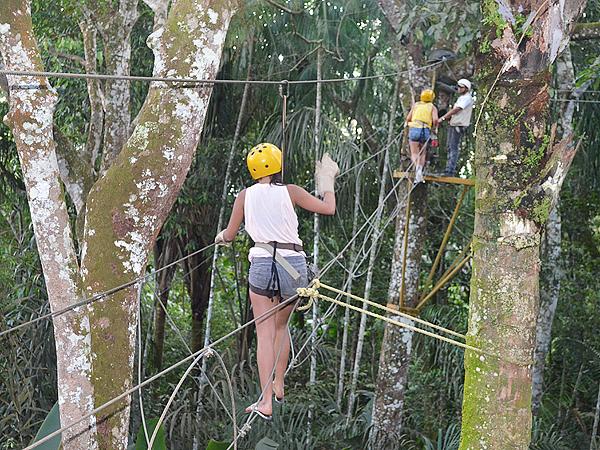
x,y
160,443
51,423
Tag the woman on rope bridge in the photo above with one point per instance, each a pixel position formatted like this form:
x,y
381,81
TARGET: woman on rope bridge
x,y
420,119
277,260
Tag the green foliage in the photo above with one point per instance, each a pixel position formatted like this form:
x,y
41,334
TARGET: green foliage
x,y
356,40
160,442
50,425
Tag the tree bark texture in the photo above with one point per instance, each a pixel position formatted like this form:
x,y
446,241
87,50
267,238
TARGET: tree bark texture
x,y
551,272
30,118
128,205
114,21
396,347
520,170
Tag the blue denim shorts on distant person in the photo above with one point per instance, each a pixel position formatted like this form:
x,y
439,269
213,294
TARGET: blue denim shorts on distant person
x,y
260,276
419,134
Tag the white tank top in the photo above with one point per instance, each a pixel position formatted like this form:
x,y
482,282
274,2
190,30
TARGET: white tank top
x,y
269,216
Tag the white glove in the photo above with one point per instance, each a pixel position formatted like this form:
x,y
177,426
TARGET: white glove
x,y
220,239
325,172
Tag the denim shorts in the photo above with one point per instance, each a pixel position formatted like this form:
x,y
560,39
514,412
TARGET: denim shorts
x,y
261,275
419,134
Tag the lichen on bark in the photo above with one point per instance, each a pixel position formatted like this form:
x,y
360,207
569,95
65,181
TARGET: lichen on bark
x,y
519,171
30,118
128,205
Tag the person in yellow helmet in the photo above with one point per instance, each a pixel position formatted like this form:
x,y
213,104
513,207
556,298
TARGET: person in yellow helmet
x,y
277,260
421,118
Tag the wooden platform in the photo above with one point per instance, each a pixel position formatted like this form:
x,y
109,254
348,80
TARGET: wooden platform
x,y
436,178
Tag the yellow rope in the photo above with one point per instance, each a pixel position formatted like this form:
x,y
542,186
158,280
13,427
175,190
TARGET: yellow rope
x,y
403,325
390,310
309,293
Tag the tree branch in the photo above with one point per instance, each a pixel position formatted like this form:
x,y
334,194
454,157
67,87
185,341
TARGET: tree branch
x,y
585,31
284,8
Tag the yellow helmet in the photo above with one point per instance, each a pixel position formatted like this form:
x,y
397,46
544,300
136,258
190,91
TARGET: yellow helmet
x,y
427,95
264,160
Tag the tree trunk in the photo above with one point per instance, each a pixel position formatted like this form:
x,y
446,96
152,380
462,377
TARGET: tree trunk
x,y
353,259
197,281
552,270
128,205
396,347
115,21
373,251
316,221
95,94
30,118
520,170
549,294
164,253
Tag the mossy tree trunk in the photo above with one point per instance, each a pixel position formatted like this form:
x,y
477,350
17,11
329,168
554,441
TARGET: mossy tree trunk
x,y
30,118
128,205
125,208
520,169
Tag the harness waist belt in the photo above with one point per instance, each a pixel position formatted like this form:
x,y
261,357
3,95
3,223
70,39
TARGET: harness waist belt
x,y
280,259
280,246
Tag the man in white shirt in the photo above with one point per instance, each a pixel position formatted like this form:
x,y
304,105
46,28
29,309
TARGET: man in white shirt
x,y
460,119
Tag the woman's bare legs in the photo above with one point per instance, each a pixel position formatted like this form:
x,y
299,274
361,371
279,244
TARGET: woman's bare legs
x,y
282,346
418,155
415,148
265,349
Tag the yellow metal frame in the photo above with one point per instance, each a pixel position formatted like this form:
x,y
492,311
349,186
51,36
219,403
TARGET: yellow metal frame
x,y
456,265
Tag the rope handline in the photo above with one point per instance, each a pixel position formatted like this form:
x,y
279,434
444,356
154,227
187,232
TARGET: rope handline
x,y
284,92
195,81
390,310
102,295
316,294
161,373
203,372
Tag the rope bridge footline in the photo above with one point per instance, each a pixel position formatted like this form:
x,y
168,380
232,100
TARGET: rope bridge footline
x,y
312,292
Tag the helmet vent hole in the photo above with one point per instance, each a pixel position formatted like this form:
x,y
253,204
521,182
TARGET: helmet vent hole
x,y
260,151
266,166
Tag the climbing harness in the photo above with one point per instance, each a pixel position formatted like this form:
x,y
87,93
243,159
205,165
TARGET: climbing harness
x,y
273,288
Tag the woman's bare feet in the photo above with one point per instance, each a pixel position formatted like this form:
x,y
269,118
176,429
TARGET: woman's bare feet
x,y
278,391
264,410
